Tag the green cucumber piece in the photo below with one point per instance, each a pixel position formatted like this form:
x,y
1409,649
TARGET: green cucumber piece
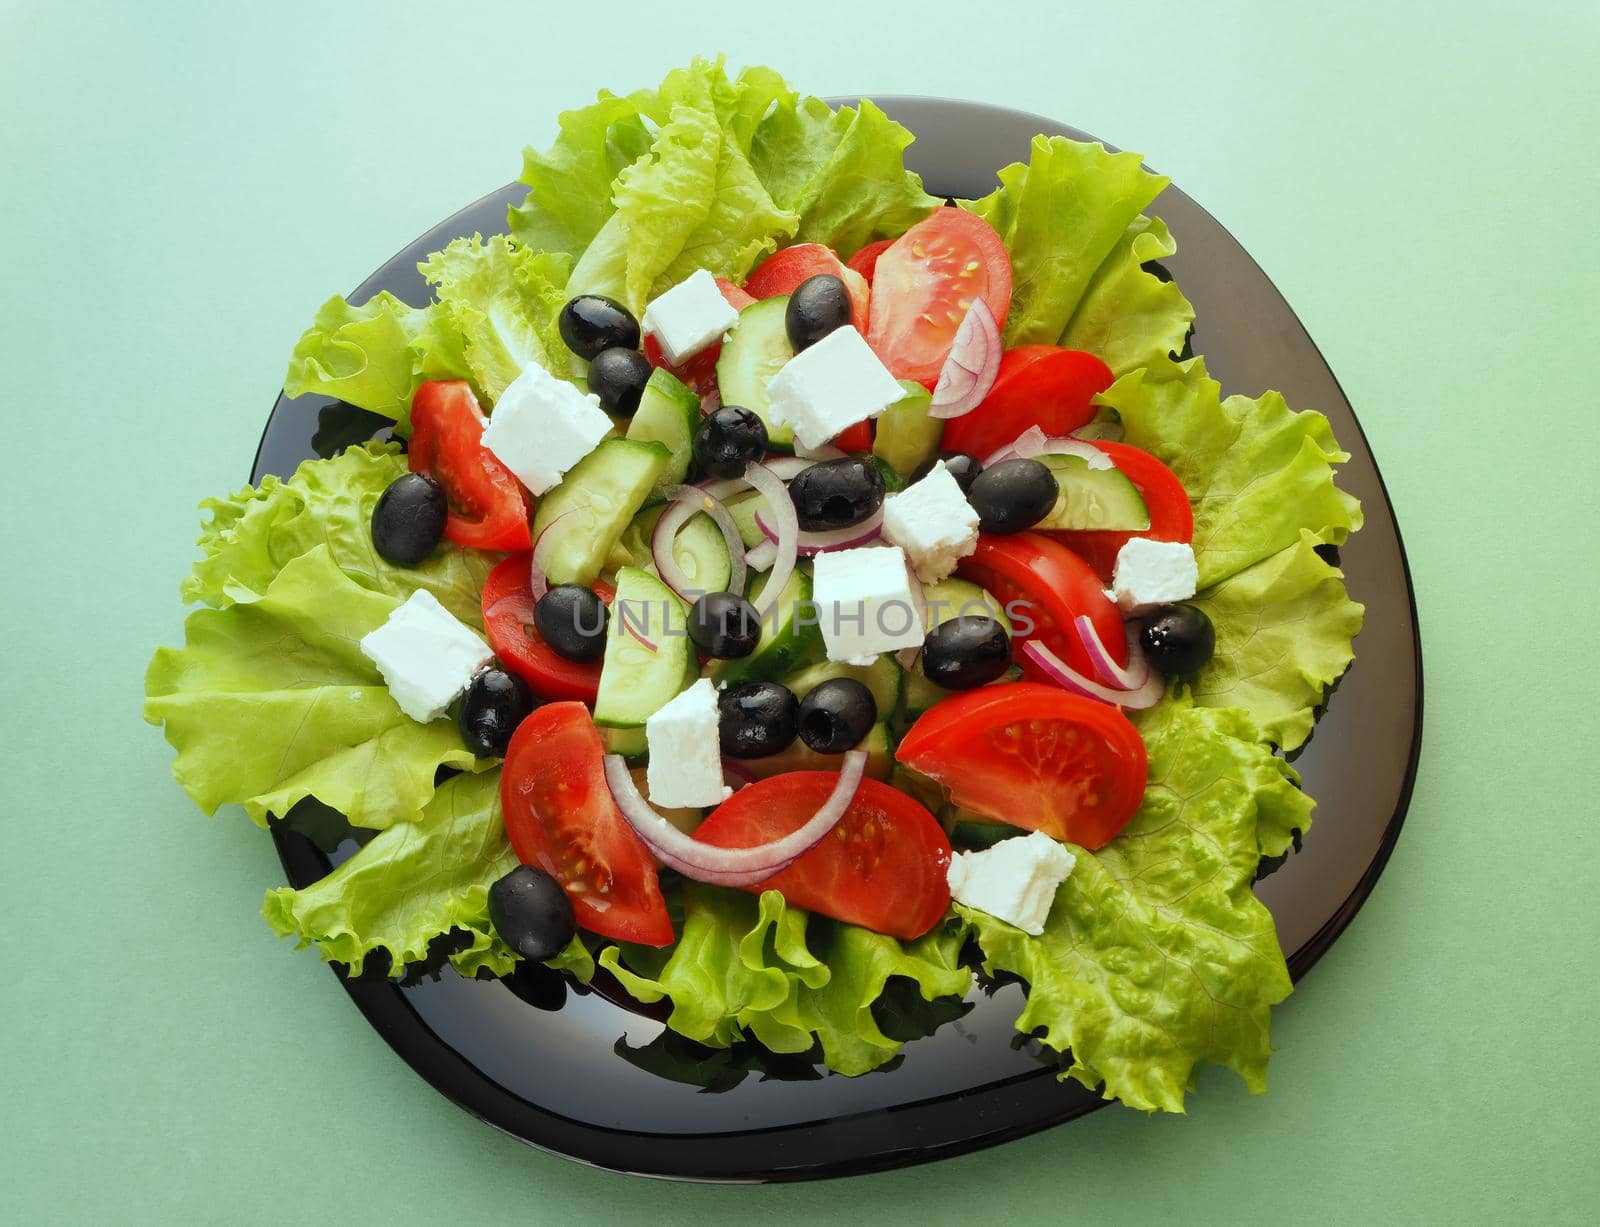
x,y
905,435
628,742
952,597
790,637
1093,499
593,505
801,757
881,677
757,346
699,549
635,681
668,414
743,507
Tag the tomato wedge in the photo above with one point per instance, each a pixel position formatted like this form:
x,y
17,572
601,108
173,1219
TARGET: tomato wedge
x,y
865,261
1047,584
783,271
487,508
508,620
923,285
560,816
1171,516
883,867
700,371
1038,385
857,438
1035,757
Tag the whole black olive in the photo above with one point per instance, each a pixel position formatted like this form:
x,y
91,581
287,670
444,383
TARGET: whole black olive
x,y
756,719
593,322
818,305
1178,639
1013,495
531,913
836,714
409,519
836,493
724,625
728,440
962,467
617,377
572,620
494,703
966,651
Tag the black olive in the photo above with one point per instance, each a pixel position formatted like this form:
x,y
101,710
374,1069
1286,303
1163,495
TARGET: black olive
x,y
531,913
962,467
1013,495
756,719
593,322
572,620
836,493
409,519
728,440
494,704
966,651
1178,639
724,625
617,377
817,307
836,714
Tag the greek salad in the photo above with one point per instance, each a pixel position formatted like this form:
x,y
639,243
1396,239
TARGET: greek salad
x,y
781,585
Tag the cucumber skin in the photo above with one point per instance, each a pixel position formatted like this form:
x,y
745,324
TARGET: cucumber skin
x,y
882,677
905,435
1110,484
578,557
760,338
668,414
787,651
642,696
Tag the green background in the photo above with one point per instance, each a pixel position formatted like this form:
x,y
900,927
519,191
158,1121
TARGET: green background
x,y
181,185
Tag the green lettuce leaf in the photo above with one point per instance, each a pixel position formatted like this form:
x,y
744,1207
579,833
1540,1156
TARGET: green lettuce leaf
x,y
1157,956
419,879
255,532
270,701
1128,317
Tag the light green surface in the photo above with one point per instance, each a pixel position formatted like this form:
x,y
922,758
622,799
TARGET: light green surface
x,y
181,185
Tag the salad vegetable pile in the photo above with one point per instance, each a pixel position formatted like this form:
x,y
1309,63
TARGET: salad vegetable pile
x,y
784,590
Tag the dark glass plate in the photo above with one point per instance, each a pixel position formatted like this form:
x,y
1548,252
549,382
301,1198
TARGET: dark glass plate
x,y
577,1074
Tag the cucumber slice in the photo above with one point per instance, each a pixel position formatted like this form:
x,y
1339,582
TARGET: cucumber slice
x,y
743,508
628,742
952,597
881,677
756,347
1094,498
635,681
790,637
668,414
801,757
699,549
593,505
905,434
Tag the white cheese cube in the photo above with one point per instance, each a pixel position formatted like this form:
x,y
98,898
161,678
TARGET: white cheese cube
x,y
832,385
864,603
685,766
689,316
933,523
1014,881
426,656
542,426
1150,573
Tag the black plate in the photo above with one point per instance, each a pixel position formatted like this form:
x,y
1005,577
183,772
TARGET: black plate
x,y
543,1062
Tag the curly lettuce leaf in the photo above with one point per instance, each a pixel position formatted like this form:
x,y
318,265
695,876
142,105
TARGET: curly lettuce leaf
x,y
270,701
418,880
252,534
1156,956
1129,317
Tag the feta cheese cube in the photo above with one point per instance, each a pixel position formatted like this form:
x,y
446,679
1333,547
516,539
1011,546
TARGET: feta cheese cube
x,y
542,426
685,752
933,523
1014,881
832,385
689,316
864,603
426,656
1150,573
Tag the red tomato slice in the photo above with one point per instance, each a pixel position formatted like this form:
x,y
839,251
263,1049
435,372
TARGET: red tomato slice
x,y
1038,385
923,285
883,867
1035,757
783,271
1171,516
857,438
865,261
700,371
560,816
1047,584
487,508
508,620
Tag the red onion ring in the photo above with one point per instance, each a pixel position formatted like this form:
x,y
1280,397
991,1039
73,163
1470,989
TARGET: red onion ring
x,y
538,583
809,543
1034,442
788,526
760,557
786,467
1069,679
1137,672
823,451
688,502
970,370
633,633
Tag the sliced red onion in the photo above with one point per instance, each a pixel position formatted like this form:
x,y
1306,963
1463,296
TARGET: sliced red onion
x,y
823,451
635,634
723,487
1068,678
787,467
760,557
969,372
809,543
730,866
1137,672
1034,442
688,502
788,525
537,582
